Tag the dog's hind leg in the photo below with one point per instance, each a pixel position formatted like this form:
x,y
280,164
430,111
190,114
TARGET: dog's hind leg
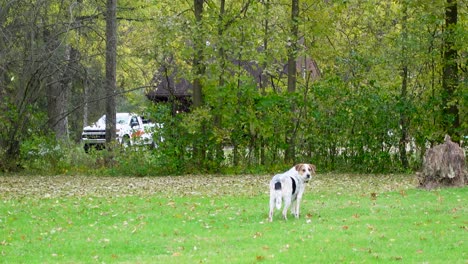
x,y
287,204
275,198
273,202
272,208
278,195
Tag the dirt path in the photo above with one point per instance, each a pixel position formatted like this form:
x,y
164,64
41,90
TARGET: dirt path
x,y
63,186
244,185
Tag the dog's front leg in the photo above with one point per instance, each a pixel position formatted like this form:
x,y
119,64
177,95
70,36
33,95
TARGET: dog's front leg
x,y
296,207
297,204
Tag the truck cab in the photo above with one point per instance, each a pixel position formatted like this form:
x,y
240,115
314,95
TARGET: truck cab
x,y
131,129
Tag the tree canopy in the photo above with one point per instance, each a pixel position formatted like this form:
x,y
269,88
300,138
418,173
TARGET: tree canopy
x,y
349,85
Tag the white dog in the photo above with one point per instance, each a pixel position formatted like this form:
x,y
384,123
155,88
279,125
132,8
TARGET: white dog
x,y
289,186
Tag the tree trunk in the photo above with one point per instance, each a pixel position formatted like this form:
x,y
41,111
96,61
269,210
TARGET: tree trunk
x,y
266,35
404,119
56,96
199,148
292,78
444,165
58,87
86,101
111,66
219,152
264,76
198,56
450,101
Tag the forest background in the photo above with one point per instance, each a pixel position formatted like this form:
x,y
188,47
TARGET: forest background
x,y
356,86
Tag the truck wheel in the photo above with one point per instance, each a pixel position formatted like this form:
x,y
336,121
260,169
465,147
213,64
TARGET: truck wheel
x,y
126,142
86,148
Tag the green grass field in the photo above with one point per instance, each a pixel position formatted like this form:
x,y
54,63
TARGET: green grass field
x,y
210,219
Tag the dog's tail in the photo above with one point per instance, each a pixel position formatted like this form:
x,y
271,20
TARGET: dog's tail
x,y
278,195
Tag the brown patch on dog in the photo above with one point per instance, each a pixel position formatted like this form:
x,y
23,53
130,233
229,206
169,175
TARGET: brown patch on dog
x,y
299,166
312,168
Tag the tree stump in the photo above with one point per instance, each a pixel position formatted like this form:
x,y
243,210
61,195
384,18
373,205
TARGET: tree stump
x,y
444,165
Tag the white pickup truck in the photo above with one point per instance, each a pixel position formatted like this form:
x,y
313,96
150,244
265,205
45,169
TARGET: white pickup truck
x,y
131,129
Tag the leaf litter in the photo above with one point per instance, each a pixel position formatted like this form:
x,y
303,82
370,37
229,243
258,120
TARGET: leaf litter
x,y
191,185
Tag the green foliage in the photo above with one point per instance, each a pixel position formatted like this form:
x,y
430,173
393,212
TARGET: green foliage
x,y
44,155
347,106
171,154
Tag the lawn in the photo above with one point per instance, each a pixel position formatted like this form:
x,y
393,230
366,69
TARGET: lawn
x,y
214,219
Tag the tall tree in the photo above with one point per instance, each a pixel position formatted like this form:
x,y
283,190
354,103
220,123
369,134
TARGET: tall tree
x,y
111,66
199,149
292,76
404,119
450,118
221,82
266,35
198,66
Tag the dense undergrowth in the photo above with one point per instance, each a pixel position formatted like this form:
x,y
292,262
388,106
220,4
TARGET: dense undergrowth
x,y
71,159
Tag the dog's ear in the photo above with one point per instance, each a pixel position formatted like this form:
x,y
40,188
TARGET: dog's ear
x,y
312,167
298,167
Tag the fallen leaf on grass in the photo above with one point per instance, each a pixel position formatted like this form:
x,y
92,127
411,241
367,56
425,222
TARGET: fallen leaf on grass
x,y
257,234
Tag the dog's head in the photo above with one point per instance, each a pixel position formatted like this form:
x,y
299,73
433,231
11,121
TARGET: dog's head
x,y
305,171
